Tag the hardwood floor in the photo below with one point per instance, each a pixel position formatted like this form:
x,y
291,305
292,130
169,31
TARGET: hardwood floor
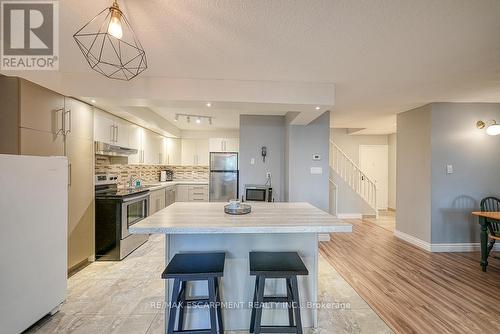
x,y
412,290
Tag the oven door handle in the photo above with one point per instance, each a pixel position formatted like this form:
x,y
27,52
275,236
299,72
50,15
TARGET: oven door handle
x,y
136,198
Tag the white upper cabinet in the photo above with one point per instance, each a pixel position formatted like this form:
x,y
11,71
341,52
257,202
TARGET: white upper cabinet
x,y
122,128
172,155
195,152
135,141
110,129
152,147
104,127
224,144
202,152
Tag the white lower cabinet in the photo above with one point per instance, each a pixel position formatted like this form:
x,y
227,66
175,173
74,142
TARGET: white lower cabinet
x,y
191,193
169,196
182,193
156,200
198,193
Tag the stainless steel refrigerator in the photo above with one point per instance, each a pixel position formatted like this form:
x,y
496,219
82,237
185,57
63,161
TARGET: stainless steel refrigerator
x,y
224,177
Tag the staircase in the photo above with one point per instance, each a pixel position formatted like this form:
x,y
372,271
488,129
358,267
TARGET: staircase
x,y
350,173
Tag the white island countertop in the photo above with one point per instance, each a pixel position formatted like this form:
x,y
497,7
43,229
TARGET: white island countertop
x,y
209,218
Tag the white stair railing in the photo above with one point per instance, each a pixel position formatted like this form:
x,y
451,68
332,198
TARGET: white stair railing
x,y
350,172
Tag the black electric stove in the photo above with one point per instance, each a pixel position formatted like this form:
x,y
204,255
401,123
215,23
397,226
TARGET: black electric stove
x,y
116,210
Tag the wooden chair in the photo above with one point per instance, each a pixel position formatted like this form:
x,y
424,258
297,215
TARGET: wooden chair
x,y
492,204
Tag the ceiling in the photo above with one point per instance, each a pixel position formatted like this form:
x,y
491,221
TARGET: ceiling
x,y
366,60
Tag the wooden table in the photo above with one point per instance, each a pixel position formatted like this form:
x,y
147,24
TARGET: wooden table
x,y
484,218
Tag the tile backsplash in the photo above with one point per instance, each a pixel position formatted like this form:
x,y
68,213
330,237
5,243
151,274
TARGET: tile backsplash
x,y
147,173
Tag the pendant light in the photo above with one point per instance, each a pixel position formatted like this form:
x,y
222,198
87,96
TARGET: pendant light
x,y
110,45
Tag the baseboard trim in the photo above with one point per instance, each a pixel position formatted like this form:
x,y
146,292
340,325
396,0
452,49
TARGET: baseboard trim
x,y
323,237
413,240
349,216
460,247
442,248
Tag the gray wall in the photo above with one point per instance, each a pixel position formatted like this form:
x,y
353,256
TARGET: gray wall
x,y
304,141
413,185
432,205
257,131
476,162
392,140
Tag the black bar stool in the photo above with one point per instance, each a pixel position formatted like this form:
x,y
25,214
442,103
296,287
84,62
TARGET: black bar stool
x,y
285,265
184,268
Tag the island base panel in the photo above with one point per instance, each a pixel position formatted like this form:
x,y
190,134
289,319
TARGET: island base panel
x,y
237,286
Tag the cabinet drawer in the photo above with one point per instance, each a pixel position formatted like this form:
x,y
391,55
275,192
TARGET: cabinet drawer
x,y
198,193
198,188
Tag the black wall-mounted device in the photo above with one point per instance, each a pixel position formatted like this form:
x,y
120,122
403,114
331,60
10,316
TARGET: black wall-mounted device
x,y
264,153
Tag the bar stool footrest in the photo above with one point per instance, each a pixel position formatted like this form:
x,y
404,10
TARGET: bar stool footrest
x,y
195,331
278,329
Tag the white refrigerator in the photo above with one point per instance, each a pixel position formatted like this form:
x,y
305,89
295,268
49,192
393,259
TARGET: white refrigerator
x,y
33,238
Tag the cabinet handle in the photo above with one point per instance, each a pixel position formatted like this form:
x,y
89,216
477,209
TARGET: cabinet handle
x,y
69,121
59,130
112,133
69,174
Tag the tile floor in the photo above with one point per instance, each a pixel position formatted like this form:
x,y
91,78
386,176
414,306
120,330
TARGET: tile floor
x,y
120,297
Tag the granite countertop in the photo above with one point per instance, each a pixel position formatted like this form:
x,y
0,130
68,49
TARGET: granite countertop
x,y
209,218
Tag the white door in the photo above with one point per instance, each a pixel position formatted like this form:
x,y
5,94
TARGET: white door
x,y
374,162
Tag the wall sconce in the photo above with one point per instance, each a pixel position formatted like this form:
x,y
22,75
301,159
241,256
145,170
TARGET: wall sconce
x,y
493,129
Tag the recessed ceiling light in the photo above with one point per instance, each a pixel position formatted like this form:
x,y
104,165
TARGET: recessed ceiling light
x,y
93,101
209,104
198,120
317,108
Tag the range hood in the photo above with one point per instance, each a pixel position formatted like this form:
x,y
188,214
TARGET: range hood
x,y
113,150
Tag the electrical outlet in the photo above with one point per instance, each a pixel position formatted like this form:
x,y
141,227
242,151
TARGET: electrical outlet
x,y
252,161
268,175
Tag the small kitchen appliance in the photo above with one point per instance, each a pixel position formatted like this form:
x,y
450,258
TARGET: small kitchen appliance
x,y
258,193
166,175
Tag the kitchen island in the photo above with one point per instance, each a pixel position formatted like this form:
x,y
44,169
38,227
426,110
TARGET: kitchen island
x,y
204,227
